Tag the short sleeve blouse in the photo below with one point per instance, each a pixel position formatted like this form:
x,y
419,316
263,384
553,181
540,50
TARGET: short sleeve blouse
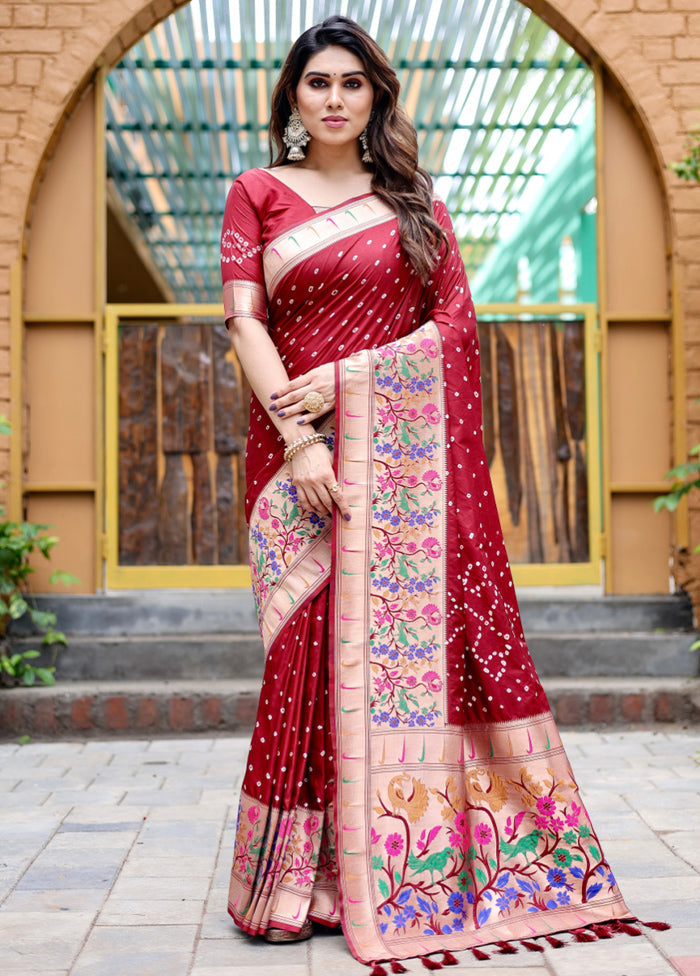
x,y
241,257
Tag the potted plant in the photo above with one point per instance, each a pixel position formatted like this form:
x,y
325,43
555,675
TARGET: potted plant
x,y
18,541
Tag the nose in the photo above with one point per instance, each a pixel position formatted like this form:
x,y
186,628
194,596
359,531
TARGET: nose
x,y
335,94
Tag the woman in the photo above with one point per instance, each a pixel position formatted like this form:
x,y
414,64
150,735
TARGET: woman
x,y
405,778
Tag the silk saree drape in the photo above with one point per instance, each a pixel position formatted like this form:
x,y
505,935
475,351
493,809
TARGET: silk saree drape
x,y
406,777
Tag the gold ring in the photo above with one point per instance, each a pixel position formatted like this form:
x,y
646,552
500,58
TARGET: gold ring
x,y
314,402
335,487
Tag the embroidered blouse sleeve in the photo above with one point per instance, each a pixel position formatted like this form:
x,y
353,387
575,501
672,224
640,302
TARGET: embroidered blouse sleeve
x,y
241,257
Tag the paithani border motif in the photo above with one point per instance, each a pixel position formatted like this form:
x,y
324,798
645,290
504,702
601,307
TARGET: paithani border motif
x,y
507,850
246,299
308,238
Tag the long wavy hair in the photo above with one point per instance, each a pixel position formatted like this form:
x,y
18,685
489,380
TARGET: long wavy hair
x,y
397,178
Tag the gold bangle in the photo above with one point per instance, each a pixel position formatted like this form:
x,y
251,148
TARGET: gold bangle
x,y
302,444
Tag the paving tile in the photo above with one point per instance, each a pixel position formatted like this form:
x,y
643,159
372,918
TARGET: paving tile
x,y
148,950
679,940
251,952
151,911
68,900
30,940
147,866
622,956
74,869
161,889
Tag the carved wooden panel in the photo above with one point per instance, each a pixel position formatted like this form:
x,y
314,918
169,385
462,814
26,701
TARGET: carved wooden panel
x,y
182,427
533,388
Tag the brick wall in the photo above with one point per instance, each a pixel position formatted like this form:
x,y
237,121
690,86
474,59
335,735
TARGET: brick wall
x,y
48,51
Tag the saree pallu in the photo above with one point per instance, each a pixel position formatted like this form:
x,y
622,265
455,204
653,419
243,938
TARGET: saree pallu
x,y
406,777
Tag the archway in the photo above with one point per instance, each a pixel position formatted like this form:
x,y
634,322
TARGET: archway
x,y
634,307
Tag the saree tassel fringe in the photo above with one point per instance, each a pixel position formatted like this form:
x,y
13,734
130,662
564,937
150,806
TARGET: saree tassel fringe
x,y
448,959
506,948
554,942
378,970
627,928
603,931
480,955
430,963
396,967
583,935
656,926
531,946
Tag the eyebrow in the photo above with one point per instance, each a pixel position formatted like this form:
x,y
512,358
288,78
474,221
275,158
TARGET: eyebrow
x,y
326,74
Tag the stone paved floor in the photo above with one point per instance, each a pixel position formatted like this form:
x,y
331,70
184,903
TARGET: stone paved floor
x,y
114,861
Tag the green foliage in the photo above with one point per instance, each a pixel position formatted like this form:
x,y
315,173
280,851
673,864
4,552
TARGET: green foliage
x,y
18,542
689,167
685,477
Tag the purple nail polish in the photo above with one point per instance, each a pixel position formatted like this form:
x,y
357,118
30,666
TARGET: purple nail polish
x,y
347,517
301,421
280,413
273,406
273,396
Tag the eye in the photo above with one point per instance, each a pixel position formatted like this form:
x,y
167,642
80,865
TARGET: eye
x,y
353,83
317,83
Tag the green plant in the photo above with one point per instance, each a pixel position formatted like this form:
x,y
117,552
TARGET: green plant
x,y
689,167
18,541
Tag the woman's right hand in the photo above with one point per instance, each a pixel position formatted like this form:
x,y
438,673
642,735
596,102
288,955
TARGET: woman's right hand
x,y
313,477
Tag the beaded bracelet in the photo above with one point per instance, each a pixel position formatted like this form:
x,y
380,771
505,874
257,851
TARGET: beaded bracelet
x,y
302,444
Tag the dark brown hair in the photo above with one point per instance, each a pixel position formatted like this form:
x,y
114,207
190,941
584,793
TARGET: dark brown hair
x,y
397,178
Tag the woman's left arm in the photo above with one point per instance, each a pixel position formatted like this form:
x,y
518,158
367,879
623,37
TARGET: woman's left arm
x,y
288,400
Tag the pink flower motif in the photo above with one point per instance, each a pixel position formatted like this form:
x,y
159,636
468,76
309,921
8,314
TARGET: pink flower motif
x,y
264,508
542,823
546,806
432,614
411,481
483,834
411,614
393,844
275,523
572,817
410,347
432,480
432,547
411,681
375,836
429,348
411,548
556,824
462,824
432,680
311,825
412,413
431,413
254,814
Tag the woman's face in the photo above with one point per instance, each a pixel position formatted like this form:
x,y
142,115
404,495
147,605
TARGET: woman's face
x,y
334,96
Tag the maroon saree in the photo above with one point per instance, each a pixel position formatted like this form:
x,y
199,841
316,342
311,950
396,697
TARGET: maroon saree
x,y
406,777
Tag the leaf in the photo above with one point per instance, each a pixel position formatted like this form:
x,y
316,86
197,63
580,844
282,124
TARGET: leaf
x,y
576,872
28,655
433,834
595,853
492,863
45,675
481,875
593,890
384,888
403,895
483,916
423,905
61,576
397,877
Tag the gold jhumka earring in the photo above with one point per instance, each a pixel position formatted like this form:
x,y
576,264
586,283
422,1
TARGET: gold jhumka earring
x,y
295,136
364,142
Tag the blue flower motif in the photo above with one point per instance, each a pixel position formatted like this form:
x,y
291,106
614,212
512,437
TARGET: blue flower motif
x,y
557,877
455,902
394,722
563,897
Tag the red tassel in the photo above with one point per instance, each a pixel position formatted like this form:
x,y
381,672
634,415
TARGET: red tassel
x,y
478,954
378,970
581,935
506,948
531,946
657,926
628,929
603,931
448,959
396,967
554,942
430,963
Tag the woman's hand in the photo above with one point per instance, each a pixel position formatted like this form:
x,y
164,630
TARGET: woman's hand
x,y
288,400
313,477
